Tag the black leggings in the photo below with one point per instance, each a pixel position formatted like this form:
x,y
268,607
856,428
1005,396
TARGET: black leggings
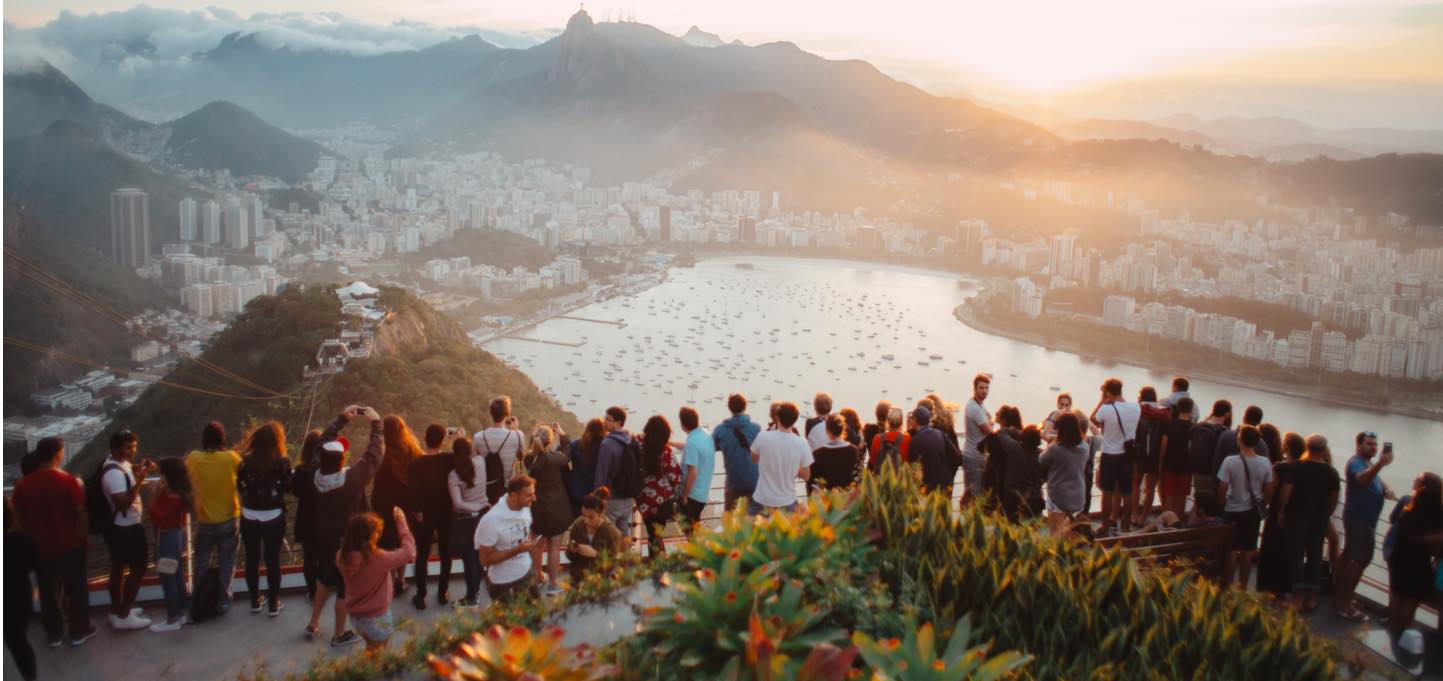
x,y
437,529
254,534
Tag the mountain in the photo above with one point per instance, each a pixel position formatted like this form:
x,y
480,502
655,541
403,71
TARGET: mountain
x,y
422,367
698,38
618,96
38,95
222,135
1103,128
64,325
64,176
1279,138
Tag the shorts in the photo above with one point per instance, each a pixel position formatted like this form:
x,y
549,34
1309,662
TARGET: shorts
x,y
972,466
502,593
128,546
1175,484
378,628
330,576
1054,508
1115,473
1245,529
755,509
1359,541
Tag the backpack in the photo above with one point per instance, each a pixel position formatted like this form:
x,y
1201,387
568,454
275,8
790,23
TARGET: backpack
x,y
626,481
1202,442
890,452
496,477
98,508
205,602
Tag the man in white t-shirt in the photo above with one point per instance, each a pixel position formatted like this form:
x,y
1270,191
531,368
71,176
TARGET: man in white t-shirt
x,y
503,438
816,427
505,545
1245,479
781,457
125,537
1118,420
977,425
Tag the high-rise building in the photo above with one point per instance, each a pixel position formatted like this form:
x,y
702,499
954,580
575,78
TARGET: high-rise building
x,y
257,216
188,219
970,234
130,227
210,222
664,223
237,225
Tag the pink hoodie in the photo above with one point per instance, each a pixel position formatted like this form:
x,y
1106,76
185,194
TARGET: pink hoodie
x,y
368,582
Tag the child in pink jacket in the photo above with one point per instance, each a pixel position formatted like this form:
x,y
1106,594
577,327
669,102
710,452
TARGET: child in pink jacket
x,y
367,573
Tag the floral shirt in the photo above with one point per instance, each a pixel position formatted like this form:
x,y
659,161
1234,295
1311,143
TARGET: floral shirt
x,y
660,490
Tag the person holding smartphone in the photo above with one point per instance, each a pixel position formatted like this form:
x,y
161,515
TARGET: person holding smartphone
x,y
125,537
1361,509
505,544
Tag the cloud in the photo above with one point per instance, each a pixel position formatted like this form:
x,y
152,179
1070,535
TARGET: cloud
x,y
143,38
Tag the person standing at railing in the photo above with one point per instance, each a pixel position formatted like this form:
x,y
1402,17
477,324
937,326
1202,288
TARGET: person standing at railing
x,y
169,515
1362,506
1245,480
50,505
698,460
733,438
1304,511
976,426
781,456
1118,420
340,494
1272,563
1411,574
1175,471
262,481
428,476
217,506
122,483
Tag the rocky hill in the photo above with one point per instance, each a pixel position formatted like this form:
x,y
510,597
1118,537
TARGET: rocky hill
x,y
423,367
224,136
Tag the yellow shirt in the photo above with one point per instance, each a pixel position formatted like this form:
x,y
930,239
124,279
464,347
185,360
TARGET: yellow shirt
x,y
212,474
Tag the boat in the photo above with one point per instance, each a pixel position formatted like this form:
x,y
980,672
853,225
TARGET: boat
x,y
934,357
888,357
1053,387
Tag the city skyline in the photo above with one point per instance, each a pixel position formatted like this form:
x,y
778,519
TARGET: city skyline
x,y
1328,63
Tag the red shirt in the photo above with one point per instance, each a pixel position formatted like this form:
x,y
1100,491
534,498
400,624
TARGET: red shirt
x,y
166,511
50,502
891,436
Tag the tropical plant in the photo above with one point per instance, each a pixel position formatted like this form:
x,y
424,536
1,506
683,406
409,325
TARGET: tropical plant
x,y
503,654
915,657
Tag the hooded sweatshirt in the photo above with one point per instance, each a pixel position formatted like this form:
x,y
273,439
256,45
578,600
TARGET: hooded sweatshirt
x,y
342,494
608,459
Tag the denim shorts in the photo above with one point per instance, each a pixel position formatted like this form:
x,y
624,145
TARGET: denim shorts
x,y
378,628
1359,542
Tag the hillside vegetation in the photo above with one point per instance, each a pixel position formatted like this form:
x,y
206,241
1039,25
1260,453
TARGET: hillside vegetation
x,y
423,368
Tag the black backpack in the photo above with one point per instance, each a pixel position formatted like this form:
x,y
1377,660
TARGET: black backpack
x,y
496,473
98,509
626,481
1202,442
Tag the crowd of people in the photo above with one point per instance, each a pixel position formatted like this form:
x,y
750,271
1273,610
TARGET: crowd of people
x,y
509,503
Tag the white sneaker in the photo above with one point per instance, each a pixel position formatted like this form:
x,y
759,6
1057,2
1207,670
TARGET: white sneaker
x,y
163,626
130,622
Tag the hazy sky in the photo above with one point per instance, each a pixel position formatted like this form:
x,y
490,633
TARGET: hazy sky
x,y
1019,52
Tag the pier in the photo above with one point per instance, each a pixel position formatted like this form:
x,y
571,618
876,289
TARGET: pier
x,y
616,324
575,344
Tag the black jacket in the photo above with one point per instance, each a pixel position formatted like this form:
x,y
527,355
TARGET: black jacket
x,y
337,499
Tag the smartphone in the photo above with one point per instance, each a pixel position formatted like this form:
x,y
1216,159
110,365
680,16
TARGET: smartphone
x,y
453,431
1387,448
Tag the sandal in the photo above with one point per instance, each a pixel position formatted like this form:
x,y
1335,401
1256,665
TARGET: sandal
x,y
1351,616
311,632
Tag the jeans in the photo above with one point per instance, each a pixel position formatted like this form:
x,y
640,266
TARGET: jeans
x,y
1305,546
63,573
173,569
463,533
619,510
437,529
219,538
263,540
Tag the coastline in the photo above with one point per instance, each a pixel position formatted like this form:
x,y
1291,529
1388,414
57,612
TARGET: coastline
x,y
965,314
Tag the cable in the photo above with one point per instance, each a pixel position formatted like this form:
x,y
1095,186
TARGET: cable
x,y
65,290
60,354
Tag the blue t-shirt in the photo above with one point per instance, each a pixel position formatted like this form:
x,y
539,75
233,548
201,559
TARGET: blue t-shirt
x,y
742,472
699,452
1365,502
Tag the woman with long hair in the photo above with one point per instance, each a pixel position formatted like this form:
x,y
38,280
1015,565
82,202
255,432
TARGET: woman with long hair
x,y
262,481
1146,469
303,487
944,418
551,512
367,570
391,489
1273,557
871,430
1064,466
583,454
467,486
169,515
661,478
834,464
1049,424
1411,575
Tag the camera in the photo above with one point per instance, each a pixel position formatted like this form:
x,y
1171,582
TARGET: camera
x,y
1387,448
453,431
